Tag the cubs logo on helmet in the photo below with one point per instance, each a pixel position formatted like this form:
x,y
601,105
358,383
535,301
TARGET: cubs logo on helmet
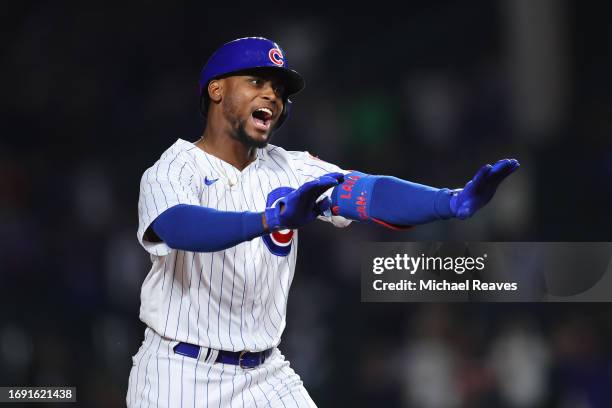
x,y
276,56
279,242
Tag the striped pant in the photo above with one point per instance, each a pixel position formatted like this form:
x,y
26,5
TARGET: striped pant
x,y
161,378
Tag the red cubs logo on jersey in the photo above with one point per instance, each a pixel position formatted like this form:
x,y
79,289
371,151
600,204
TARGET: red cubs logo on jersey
x,y
279,242
282,237
276,56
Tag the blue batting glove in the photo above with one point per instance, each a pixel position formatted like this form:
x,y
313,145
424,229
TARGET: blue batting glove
x,y
300,206
479,191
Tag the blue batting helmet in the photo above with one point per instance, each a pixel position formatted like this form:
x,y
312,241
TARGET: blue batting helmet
x,y
250,54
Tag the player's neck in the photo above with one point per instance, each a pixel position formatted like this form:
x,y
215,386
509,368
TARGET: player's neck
x,y
227,149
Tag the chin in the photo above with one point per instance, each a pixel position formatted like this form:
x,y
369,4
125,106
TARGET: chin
x,y
259,141
253,138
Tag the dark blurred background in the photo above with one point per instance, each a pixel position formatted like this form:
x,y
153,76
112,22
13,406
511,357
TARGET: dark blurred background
x,y
95,91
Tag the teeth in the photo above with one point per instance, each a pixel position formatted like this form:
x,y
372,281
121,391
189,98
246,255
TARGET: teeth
x,y
269,111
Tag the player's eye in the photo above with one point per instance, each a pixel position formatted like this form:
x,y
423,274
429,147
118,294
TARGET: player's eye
x,y
256,81
279,89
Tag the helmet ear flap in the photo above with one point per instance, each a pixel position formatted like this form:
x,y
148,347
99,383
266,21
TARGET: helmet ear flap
x,y
286,111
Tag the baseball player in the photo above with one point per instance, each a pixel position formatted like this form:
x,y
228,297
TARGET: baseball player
x,y
220,219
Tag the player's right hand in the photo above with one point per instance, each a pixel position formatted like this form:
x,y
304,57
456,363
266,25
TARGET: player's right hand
x,y
300,207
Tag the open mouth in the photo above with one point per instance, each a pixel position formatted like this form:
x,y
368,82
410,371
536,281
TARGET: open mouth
x,y
262,118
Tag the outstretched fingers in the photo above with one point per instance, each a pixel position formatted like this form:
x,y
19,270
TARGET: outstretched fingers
x,y
313,189
502,169
324,184
335,175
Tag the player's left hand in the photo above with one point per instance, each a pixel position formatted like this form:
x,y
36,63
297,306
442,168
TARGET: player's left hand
x,y
479,191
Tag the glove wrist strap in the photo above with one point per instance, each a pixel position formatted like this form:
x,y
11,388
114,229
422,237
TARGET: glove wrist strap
x,y
273,218
443,204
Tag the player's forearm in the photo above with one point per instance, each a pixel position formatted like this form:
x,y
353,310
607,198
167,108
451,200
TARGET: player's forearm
x,y
201,229
402,202
390,201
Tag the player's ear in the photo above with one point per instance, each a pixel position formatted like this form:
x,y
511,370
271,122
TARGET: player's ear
x,y
215,88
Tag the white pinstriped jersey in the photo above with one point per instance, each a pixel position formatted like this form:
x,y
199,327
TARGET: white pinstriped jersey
x,y
234,299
